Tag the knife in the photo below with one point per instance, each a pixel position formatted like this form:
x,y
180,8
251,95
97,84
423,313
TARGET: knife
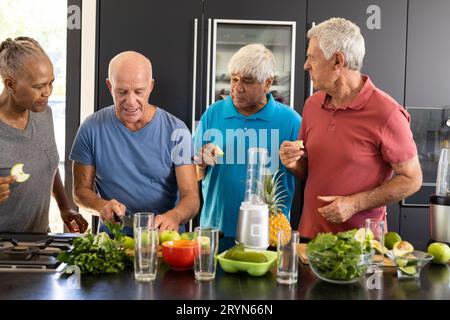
x,y
126,220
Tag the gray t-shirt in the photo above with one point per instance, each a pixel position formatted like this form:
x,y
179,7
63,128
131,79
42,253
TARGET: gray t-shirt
x,y
27,207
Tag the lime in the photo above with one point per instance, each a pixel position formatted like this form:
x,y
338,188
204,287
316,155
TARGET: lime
x,y
408,270
391,238
363,234
401,262
402,248
440,252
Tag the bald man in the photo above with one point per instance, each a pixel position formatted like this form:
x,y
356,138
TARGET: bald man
x,y
133,156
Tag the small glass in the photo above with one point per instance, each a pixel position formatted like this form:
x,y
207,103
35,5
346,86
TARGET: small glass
x,y
410,264
206,247
287,262
146,241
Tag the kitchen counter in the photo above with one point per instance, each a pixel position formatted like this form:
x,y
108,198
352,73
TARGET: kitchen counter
x,y
433,284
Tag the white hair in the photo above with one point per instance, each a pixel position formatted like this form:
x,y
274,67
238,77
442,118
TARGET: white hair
x,y
253,60
340,35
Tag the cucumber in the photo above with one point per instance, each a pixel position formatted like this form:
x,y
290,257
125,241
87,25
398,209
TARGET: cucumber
x,y
230,253
255,257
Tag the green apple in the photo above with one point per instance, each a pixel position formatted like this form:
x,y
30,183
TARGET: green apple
x,y
188,235
17,171
440,252
168,235
128,242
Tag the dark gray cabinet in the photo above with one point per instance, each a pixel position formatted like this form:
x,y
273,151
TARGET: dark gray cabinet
x,y
427,87
427,83
414,227
164,32
383,25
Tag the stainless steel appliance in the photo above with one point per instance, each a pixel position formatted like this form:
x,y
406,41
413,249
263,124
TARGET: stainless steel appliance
x,y
253,222
27,252
440,202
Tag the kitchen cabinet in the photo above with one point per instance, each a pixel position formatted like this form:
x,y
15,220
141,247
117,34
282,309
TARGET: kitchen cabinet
x,y
167,32
414,227
383,25
427,82
428,101
427,86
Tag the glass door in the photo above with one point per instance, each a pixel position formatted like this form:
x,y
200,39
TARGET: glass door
x,y
431,132
230,35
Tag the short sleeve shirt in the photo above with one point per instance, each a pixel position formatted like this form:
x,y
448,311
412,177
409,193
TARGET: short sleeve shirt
x,y
27,208
135,168
350,150
223,188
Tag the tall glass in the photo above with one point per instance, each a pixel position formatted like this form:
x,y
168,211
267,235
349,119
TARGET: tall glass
x,y
146,241
375,229
443,174
206,247
287,262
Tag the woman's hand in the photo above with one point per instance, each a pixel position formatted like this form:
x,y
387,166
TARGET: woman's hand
x,y
69,216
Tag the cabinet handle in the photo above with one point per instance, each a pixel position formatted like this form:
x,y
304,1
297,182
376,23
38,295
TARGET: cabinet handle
x,y
311,85
194,74
208,68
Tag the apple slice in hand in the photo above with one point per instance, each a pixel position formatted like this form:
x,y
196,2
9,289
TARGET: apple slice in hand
x,y
218,152
17,171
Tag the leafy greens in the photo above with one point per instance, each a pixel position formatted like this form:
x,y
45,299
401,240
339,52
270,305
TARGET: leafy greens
x,y
337,257
98,254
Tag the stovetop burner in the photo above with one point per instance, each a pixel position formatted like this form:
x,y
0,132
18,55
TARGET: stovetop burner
x,y
33,252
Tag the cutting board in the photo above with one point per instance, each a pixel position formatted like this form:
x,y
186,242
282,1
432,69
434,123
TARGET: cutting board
x,y
301,251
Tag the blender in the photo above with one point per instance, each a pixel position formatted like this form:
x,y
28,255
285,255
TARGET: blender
x,y
253,222
440,202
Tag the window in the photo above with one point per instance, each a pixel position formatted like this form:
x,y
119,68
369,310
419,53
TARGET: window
x,y
45,21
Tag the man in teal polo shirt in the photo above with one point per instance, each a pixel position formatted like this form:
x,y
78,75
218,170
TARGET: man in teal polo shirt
x,y
248,118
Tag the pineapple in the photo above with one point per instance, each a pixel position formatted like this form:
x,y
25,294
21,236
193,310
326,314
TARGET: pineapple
x,y
274,198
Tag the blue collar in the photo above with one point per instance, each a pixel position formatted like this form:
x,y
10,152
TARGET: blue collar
x,y
265,113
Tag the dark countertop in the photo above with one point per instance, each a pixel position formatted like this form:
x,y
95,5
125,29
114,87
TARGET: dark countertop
x,y
433,284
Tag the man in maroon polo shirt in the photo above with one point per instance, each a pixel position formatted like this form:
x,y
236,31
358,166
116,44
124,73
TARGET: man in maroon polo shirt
x,y
359,153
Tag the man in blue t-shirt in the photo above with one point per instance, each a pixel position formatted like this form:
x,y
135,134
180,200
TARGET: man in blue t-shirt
x,y
248,118
133,156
